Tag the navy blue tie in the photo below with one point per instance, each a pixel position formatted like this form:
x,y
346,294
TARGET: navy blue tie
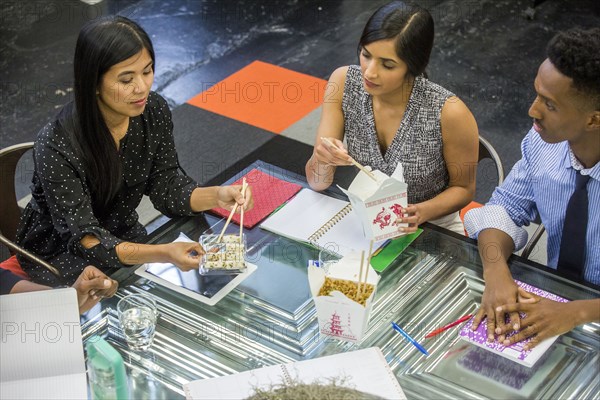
x,y
572,244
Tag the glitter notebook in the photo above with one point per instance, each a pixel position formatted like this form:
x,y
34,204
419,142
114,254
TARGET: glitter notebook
x,y
515,351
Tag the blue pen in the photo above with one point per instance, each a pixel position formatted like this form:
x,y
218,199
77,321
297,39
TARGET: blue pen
x,y
388,241
407,337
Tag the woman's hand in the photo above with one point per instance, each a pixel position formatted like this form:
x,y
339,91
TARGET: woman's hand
x,y
184,255
229,196
411,216
331,152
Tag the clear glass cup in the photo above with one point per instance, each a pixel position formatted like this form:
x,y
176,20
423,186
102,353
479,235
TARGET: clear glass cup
x,y
137,315
327,259
223,258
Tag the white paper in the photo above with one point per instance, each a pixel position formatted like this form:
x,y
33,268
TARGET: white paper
x,y
364,370
302,216
308,212
41,347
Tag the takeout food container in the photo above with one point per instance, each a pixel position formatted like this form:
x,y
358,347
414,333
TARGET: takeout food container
x,y
224,257
379,202
338,315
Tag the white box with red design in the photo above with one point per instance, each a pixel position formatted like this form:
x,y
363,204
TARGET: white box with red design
x,y
379,202
343,308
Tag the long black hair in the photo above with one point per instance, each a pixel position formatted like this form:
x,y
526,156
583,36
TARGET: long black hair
x,y
412,28
102,43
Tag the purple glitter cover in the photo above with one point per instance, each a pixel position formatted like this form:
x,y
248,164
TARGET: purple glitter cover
x,y
479,336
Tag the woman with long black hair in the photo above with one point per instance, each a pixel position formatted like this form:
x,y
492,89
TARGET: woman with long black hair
x,y
101,154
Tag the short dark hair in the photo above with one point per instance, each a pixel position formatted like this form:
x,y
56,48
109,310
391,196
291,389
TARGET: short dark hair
x,y
576,54
102,43
412,28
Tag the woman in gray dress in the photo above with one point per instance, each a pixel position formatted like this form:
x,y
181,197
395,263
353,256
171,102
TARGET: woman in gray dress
x,y
389,113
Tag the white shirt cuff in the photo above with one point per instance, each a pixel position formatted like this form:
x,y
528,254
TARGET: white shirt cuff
x,y
494,216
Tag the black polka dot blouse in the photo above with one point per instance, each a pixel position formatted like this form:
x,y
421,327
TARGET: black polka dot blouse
x,y
60,211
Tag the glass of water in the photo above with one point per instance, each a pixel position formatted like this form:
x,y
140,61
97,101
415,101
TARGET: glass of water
x,y
137,315
327,259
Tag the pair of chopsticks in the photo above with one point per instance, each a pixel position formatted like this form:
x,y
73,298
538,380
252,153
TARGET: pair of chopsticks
x,y
352,160
233,210
360,281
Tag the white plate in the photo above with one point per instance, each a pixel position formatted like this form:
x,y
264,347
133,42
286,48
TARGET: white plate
x,y
208,289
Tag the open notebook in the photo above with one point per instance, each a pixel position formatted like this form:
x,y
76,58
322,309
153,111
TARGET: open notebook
x,y
322,221
41,351
363,370
514,352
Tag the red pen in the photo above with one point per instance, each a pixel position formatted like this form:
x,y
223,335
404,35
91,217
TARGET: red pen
x,y
450,325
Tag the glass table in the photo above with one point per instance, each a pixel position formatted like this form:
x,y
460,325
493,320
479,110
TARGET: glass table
x,y
270,318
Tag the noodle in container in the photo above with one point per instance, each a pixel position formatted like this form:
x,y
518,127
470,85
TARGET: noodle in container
x,y
225,257
343,301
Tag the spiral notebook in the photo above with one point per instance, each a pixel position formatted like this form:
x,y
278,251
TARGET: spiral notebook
x,y
515,351
363,370
322,221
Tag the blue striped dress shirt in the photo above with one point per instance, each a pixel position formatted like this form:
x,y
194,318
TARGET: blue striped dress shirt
x,y
542,183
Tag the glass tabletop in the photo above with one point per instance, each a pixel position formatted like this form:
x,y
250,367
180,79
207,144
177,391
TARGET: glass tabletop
x,y
270,318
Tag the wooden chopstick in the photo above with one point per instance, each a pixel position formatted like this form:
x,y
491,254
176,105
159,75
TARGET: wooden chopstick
x,y
352,160
227,223
360,281
363,169
362,261
369,260
244,187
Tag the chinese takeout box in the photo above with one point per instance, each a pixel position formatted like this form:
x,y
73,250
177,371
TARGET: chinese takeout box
x,y
338,315
379,202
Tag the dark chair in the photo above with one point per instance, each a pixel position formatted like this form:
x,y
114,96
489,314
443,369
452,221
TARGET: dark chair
x,y
11,213
533,241
486,150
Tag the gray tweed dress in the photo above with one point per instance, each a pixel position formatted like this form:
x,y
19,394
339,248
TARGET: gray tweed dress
x,y
418,141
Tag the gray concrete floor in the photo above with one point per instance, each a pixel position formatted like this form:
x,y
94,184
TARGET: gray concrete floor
x,y
486,51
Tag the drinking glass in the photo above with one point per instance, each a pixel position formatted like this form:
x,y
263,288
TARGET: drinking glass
x,y
137,315
327,259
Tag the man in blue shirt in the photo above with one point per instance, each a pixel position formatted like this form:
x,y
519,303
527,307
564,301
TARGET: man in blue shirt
x,y
562,148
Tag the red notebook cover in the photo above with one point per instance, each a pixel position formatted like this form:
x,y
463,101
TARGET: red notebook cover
x,y
268,193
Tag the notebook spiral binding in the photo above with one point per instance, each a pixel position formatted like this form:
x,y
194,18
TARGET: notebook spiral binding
x,y
287,377
329,224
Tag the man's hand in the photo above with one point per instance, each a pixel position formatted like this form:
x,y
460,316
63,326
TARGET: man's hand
x,y
500,289
545,318
91,286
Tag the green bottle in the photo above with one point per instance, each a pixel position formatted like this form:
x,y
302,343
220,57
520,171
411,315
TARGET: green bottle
x,y
106,371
